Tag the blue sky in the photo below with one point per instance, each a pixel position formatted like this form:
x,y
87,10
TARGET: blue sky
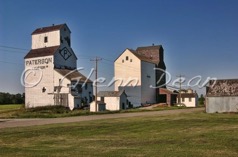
x,y
200,37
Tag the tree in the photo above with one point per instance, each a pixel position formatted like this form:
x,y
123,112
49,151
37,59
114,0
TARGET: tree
x,y
201,100
6,98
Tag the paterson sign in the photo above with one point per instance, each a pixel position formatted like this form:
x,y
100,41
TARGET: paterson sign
x,y
38,61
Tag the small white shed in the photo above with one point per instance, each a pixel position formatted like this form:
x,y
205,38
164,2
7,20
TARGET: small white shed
x,y
188,99
114,100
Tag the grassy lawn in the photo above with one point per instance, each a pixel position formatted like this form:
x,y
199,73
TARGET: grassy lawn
x,y
8,110
10,107
17,111
194,134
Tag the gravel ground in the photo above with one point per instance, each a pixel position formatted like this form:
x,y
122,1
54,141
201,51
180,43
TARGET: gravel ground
x,y
10,123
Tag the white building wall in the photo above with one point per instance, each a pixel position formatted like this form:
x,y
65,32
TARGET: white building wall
x,y
62,81
192,103
148,94
92,107
127,70
38,39
71,101
112,103
36,80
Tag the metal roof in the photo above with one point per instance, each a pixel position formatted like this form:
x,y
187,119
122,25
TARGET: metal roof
x,y
73,75
110,93
47,51
224,87
49,29
149,54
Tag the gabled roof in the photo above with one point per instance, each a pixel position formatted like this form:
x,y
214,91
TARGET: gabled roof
x,y
144,58
110,93
73,75
49,29
223,87
149,54
140,57
48,51
166,91
187,95
149,48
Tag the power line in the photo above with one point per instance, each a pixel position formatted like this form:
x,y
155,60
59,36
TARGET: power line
x,y
16,48
11,62
13,51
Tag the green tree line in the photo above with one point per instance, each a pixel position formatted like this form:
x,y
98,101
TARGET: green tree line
x,y
201,100
7,98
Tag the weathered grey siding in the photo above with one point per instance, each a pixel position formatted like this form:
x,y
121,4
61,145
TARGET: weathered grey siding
x,y
222,104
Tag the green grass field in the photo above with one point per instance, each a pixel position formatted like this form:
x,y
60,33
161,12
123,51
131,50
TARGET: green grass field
x,y
6,111
196,134
10,107
18,111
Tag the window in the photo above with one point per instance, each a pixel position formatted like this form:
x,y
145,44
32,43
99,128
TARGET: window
x,y
43,90
86,86
46,39
123,61
127,58
182,99
190,99
55,89
131,60
79,88
90,99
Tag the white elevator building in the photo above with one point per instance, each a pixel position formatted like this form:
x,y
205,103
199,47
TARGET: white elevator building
x,y
140,73
51,76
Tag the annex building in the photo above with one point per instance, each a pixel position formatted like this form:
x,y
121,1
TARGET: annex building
x,y
188,97
51,77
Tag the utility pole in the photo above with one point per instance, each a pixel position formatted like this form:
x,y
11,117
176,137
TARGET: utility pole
x,y
180,87
96,77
